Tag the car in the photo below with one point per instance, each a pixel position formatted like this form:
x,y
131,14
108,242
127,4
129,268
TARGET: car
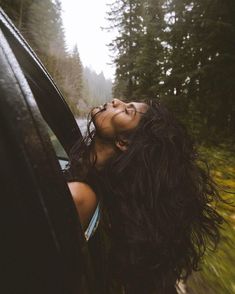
x,y
43,249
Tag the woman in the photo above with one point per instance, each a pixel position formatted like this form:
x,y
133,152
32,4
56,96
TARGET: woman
x,y
140,166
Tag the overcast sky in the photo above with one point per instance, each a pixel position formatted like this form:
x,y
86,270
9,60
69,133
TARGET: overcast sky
x,y
83,20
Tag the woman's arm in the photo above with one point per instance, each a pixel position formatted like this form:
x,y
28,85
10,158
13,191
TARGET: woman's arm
x,y
85,201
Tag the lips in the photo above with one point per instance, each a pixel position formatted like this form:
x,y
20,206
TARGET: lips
x,y
102,107
98,109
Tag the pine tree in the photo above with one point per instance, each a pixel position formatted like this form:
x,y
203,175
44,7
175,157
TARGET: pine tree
x,y
126,16
150,60
46,32
73,80
17,11
202,60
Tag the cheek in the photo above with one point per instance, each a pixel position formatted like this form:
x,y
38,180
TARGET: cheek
x,y
119,122
124,123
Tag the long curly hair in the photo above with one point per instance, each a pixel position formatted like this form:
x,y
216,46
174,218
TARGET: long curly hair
x,y
159,199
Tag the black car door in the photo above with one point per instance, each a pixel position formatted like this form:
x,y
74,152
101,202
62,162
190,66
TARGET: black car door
x,y
42,244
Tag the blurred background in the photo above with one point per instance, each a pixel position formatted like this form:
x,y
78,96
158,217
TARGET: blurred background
x,y
181,52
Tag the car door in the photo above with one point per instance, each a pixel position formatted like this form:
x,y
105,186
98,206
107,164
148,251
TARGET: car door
x,y
42,248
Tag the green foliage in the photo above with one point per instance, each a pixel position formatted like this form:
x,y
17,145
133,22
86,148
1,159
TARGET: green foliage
x,y
217,275
182,52
126,15
151,58
45,31
202,57
41,24
17,11
72,79
46,36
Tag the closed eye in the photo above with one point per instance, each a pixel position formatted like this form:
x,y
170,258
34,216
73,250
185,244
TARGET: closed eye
x,y
131,109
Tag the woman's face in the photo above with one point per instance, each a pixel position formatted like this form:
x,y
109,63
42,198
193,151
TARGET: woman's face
x,y
117,116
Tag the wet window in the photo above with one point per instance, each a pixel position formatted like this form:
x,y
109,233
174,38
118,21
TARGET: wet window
x,y
59,150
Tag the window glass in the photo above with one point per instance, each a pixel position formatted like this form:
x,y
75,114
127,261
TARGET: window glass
x,y
59,150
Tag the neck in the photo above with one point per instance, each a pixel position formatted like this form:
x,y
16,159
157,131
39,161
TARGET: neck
x,y
104,151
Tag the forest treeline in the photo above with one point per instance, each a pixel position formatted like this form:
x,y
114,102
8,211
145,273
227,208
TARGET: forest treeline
x,y
182,52
179,51
41,24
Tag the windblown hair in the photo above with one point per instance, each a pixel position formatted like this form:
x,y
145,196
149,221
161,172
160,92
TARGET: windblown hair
x,y
160,200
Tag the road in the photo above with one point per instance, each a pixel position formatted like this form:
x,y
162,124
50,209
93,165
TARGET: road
x,y
82,123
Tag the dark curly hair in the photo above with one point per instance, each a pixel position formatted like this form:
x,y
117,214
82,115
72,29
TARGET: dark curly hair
x,y
159,198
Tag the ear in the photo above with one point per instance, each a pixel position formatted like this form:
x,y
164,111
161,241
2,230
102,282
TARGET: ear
x,y
122,144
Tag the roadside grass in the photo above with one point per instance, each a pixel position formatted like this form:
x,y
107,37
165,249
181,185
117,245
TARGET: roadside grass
x,y
217,275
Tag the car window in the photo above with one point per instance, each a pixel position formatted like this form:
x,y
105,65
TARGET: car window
x,y
59,150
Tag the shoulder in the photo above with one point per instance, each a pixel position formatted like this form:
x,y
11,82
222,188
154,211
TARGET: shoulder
x,y
85,200
81,192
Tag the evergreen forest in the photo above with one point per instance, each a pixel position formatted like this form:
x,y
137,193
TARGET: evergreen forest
x,y
41,24
181,52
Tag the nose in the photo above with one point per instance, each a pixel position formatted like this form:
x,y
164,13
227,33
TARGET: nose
x,y
116,102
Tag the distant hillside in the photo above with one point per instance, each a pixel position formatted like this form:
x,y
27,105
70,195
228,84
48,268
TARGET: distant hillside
x,y
41,24
96,89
